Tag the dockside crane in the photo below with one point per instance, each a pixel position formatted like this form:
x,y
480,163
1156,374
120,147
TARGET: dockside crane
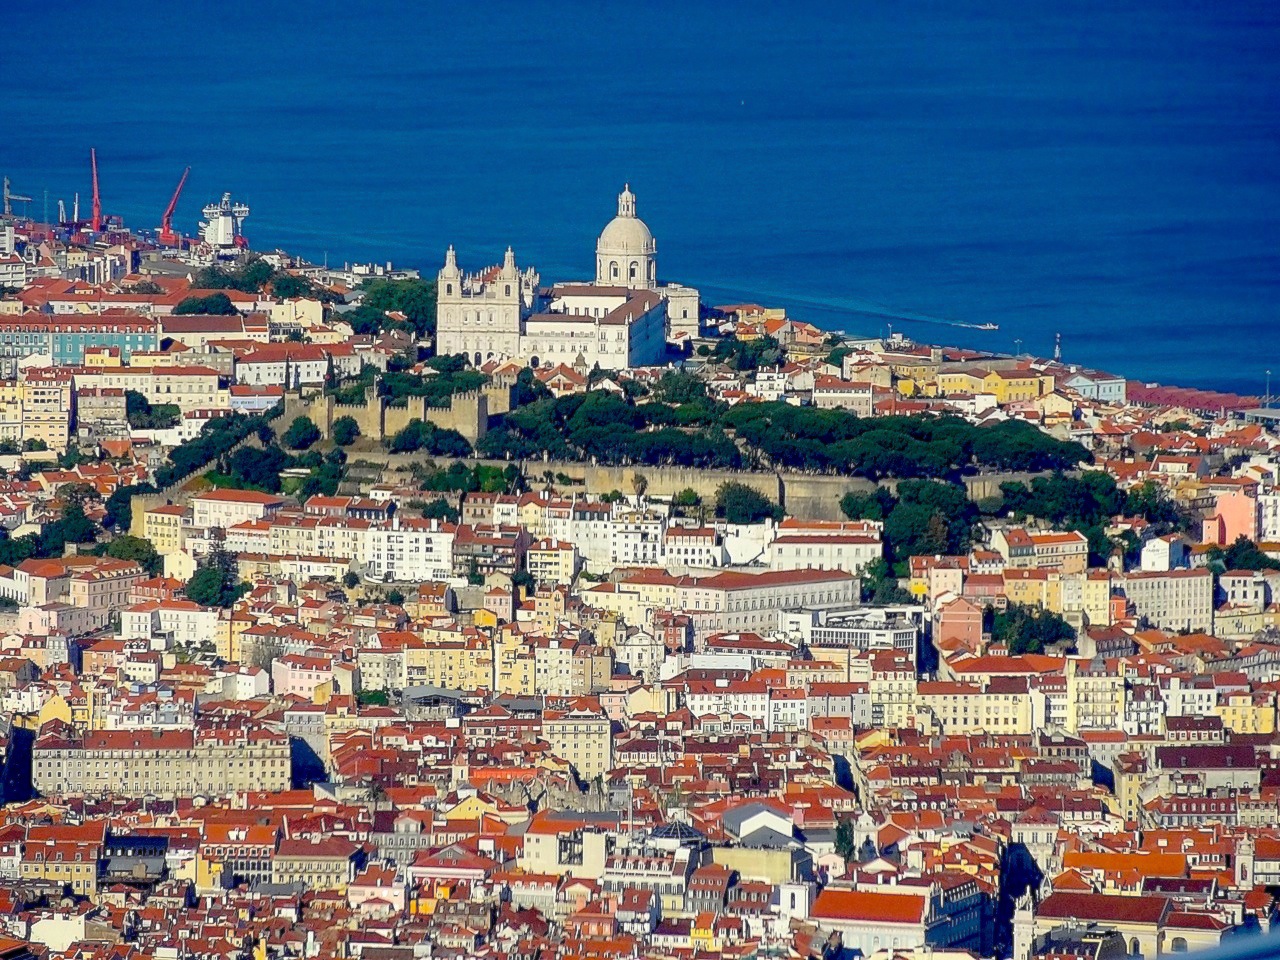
x,y
96,222
166,234
10,197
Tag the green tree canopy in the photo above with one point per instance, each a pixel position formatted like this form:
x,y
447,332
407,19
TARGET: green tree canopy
x,y
440,509
301,434
287,286
119,505
873,505
345,431
845,841
142,415
677,387
688,497
256,468
1026,629
1241,555
215,303
425,436
217,582
416,299
75,527
738,503
139,550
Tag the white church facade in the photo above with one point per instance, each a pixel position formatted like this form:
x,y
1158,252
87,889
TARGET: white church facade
x,y
623,319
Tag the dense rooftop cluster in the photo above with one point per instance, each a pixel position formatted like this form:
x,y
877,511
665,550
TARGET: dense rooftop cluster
x,y
285,673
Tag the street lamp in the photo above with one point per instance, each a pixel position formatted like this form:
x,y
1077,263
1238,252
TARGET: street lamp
x,y
1017,347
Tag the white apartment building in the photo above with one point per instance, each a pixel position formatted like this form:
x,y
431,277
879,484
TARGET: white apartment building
x,y
1269,516
226,508
169,623
848,552
583,738
636,538
411,549
730,602
1171,600
187,387
693,547
832,393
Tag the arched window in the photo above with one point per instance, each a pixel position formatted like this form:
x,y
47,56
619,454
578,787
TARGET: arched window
x,y
477,358
448,289
635,269
508,293
533,362
1135,948
1179,945
613,269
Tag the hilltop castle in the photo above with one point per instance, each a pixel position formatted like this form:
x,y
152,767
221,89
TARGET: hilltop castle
x,y
622,319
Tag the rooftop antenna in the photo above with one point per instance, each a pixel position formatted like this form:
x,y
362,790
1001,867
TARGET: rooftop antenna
x,y
1057,347
46,206
1266,399
1017,347
75,208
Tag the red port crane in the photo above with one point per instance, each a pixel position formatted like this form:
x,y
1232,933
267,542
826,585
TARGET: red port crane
x,y
166,234
96,222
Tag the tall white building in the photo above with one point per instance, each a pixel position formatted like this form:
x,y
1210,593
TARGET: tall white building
x,y
623,319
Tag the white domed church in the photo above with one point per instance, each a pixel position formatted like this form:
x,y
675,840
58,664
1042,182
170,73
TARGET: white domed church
x,y
624,318
626,253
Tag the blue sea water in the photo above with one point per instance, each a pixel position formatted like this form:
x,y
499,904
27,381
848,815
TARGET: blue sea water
x,y
1104,170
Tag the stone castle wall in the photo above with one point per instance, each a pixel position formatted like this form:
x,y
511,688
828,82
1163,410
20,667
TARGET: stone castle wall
x,y
805,496
468,413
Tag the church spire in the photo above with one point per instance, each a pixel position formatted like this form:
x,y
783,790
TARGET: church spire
x,y
509,271
450,264
626,202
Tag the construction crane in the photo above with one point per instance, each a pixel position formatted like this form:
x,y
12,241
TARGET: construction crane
x,y
10,197
96,223
166,234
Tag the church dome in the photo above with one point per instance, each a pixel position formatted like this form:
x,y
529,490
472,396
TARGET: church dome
x,y
626,253
626,233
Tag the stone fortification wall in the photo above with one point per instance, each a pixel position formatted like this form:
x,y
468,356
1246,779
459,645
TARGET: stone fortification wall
x,y
176,492
468,413
805,496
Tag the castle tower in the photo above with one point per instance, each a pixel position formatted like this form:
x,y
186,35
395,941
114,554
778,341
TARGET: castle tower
x,y
627,253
